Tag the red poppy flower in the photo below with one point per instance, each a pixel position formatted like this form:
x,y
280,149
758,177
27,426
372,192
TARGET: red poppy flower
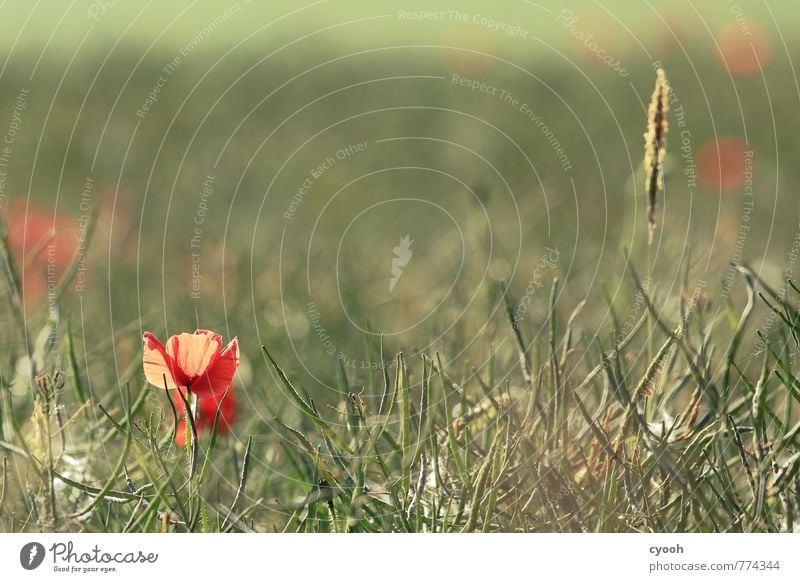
x,y
205,412
196,362
42,244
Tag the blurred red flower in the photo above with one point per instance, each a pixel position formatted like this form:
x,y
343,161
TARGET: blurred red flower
x,y
743,48
205,412
43,245
721,163
197,362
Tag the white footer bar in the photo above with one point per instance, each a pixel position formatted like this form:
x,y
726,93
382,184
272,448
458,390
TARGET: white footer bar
x,y
402,557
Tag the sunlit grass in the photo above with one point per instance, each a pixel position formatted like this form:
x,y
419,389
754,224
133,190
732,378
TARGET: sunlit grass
x,y
660,409
586,435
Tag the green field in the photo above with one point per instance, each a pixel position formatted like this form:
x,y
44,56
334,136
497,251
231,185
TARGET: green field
x,y
426,226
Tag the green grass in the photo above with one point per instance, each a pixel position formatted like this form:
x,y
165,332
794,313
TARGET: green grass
x,y
586,435
507,384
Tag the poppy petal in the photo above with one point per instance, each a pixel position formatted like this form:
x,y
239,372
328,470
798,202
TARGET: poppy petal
x,y
213,335
158,364
193,353
219,375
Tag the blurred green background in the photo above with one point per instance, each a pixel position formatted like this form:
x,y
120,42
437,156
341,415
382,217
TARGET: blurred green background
x,y
250,167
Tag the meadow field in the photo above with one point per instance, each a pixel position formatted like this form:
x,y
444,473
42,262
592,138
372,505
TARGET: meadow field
x,y
439,282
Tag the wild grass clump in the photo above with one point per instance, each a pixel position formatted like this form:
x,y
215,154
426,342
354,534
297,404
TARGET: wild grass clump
x,y
573,431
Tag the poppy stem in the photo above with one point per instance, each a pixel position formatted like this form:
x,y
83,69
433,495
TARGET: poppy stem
x,y
174,411
190,411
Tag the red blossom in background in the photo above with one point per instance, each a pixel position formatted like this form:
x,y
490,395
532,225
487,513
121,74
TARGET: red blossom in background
x,y
42,238
743,48
721,163
205,412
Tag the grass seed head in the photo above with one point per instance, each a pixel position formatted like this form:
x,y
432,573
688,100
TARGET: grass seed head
x,y
654,147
